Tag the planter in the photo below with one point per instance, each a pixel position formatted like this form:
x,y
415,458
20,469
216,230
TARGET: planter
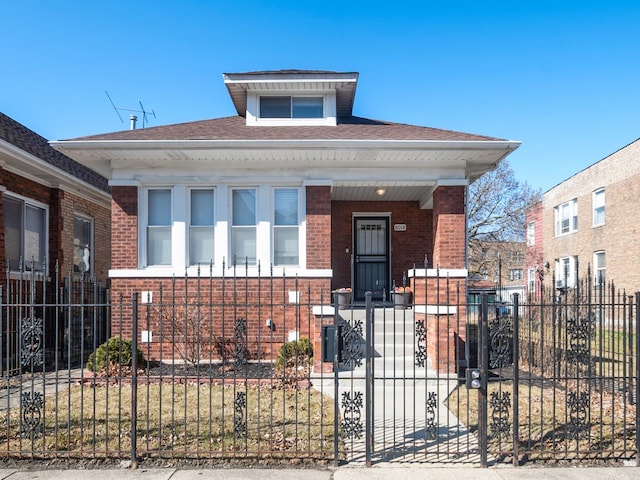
x,y
401,300
343,299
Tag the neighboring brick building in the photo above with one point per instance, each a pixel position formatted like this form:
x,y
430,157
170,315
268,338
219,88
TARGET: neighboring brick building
x,y
500,264
590,221
55,216
294,182
51,207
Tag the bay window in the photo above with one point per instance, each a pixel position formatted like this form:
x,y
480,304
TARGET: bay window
x,y
285,227
25,232
243,226
201,226
159,221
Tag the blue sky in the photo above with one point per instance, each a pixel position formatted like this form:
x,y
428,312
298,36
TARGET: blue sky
x,y
561,76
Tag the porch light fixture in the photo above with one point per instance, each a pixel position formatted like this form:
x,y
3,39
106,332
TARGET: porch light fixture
x,y
380,191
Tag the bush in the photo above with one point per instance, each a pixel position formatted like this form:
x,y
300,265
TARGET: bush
x,y
296,351
114,353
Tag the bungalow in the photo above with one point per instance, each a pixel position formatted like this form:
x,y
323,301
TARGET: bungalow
x,y
295,185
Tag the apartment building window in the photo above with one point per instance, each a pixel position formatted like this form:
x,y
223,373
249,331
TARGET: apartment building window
x,y
531,279
566,217
515,274
598,207
531,234
285,227
599,268
201,226
566,276
82,244
517,257
243,226
25,232
159,221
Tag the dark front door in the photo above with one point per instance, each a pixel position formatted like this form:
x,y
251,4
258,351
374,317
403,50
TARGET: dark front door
x,y
371,247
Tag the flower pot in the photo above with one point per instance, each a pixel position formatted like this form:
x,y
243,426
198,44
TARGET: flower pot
x,y
401,300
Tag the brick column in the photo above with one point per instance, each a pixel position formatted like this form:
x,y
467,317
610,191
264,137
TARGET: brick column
x,y
319,227
449,227
124,224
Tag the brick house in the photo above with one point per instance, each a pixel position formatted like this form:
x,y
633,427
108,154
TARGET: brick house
x,y
294,182
55,215
573,228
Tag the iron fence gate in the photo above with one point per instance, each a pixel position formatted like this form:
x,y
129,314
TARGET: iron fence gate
x,y
554,378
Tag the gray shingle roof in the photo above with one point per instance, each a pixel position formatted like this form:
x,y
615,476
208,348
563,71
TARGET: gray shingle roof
x,y
27,140
234,128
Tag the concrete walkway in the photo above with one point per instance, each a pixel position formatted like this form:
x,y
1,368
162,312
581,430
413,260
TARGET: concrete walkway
x,y
342,473
402,392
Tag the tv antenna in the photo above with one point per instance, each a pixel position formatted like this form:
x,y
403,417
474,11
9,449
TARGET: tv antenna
x,y
132,117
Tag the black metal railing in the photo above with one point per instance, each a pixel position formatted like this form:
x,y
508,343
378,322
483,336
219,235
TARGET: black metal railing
x,y
248,367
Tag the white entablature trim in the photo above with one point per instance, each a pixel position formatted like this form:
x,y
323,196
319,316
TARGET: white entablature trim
x,y
218,273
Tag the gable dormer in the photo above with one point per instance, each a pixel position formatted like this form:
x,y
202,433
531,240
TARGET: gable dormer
x,y
292,97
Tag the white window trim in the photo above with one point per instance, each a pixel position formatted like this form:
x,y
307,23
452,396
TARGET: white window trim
x,y
595,207
178,246
531,234
329,109
188,225
298,224
573,218
571,277
596,270
222,234
37,204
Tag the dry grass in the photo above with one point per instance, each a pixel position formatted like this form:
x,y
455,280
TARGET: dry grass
x,y
173,420
545,419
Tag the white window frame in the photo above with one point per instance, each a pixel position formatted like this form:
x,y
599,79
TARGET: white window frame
x,y
91,246
25,201
329,112
599,271
240,262
516,274
144,226
599,202
275,227
566,212
292,99
531,279
566,272
189,226
531,234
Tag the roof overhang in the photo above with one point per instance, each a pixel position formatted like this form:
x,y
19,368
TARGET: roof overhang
x,y
29,166
344,84
406,169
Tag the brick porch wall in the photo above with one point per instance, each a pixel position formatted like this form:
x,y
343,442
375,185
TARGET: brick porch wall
x,y
218,307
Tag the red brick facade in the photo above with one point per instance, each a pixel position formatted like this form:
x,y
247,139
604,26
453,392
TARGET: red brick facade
x,y
124,218
319,227
408,248
449,227
61,209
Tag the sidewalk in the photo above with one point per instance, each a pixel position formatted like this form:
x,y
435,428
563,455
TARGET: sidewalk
x,y
343,473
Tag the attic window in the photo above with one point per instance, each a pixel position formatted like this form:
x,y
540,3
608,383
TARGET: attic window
x,y
291,107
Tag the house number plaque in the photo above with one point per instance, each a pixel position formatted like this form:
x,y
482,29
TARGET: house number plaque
x,y
400,227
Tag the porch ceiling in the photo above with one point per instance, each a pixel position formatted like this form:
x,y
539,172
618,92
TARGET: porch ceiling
x,y
382,192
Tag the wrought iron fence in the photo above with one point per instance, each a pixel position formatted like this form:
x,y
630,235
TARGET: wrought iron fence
x,y
264,369
562,375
